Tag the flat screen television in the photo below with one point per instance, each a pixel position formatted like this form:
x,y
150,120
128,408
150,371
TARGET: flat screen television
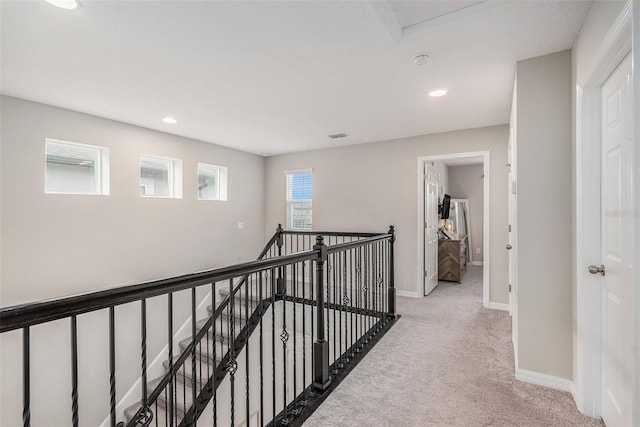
x,y
446,203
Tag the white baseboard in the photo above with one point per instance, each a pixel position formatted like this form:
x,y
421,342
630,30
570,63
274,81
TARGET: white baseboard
x,y
407,294
545,380
478,263
498,306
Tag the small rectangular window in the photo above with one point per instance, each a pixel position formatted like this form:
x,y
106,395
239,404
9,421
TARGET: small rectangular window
x,y
160,177
73,168
212,182
299,200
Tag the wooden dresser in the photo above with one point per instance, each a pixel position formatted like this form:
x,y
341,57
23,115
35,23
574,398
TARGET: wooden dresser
x,y
452,258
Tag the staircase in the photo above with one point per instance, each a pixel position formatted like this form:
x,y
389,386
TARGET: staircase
x,y
204,360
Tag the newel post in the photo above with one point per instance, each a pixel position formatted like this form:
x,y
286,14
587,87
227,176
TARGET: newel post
x,y
280,279
392,287
321,379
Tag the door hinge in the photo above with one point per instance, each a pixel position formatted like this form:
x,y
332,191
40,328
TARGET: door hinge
x,y
509,287
426,274
509,228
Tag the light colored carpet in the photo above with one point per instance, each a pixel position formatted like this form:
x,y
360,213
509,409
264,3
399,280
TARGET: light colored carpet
x,y
447,362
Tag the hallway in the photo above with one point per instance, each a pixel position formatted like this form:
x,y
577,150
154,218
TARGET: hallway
x,y
447,362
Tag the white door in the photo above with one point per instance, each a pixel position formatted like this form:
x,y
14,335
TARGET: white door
x,y
430,227
617,239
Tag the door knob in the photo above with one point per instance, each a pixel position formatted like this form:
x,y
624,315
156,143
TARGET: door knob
x,y
509,247
594,269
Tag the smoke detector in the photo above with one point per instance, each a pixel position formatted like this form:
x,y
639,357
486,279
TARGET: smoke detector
x,y
421,58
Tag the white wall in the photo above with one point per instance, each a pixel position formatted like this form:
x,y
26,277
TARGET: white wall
x,y
369,187
544,214
55,245
466,182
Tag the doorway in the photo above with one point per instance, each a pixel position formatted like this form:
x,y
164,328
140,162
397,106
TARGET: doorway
x,y
427,256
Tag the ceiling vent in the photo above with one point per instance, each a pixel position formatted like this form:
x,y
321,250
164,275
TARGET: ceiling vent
x,y
421,58
338,135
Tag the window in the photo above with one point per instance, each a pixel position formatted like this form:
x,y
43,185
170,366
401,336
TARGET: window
x,y
73,168
299,196
212,182
160,177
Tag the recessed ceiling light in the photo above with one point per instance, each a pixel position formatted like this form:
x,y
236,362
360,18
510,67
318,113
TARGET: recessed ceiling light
x,y
64,4
438,92
170,120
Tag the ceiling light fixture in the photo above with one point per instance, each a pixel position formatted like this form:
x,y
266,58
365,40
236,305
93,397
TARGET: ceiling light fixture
x,y
437,92
170,120
64,4
421,58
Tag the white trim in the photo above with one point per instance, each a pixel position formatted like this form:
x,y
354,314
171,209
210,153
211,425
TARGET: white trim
x,y
407,294
544,380
485,155
614,47
499,306
478,263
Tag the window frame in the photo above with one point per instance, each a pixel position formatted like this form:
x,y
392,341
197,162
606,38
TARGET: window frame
x,y
221,184
101,167
288,202
174,176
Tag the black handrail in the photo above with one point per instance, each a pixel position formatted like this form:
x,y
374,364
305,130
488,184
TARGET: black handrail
x,y
329,233
29,314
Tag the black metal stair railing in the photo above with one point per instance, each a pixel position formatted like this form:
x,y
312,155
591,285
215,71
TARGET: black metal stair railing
x,y
281,332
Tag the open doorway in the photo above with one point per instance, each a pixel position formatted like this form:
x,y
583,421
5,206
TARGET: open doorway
x,y
433,184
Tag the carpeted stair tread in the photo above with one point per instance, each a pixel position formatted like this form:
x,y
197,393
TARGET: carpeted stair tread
x,y
201,351
131,410
239,311
253,294
184,375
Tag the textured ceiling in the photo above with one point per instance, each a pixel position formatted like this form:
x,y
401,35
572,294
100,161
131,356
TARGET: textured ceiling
x,y
275,77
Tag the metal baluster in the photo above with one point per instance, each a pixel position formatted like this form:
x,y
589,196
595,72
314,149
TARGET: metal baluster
x,y
327,288
273,341
74,370
193,355
294,274
312,297
232,365
247,285
351,283
334,271
284,337
112,366
260,284
26,379
304,331
143,328
215,359
341,303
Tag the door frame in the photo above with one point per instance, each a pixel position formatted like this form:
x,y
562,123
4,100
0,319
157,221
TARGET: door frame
x,y
484,155
587,240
